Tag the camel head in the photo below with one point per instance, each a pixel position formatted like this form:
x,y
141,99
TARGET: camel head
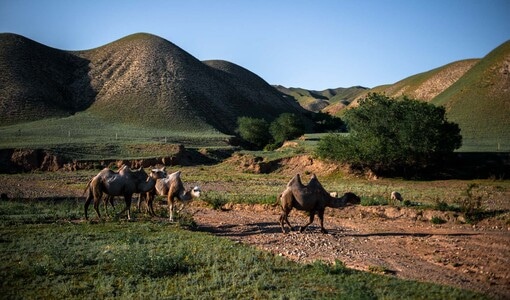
x,y
351,199
157,174
189,194
346,200
195,192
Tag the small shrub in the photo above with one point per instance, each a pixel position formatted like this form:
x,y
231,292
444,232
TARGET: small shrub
x,y
216,201
374,201
437,220
338,267
380,269
471,204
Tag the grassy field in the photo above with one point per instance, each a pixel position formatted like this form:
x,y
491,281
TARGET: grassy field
x,y
86,136
47,253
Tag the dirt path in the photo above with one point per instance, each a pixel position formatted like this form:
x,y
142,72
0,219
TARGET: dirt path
x,y
364,238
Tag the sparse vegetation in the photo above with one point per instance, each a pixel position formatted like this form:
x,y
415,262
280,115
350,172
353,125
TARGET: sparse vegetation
x,y
73,260
437,220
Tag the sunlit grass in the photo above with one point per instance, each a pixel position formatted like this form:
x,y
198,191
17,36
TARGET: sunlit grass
x,y
60,257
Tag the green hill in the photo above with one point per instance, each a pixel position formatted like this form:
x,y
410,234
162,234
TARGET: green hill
x,y
140,80
427,85
480,102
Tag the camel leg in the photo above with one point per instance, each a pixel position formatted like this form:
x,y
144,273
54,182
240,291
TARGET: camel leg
x,y
321,219
312,215
127,199
106,200
141,199
282,218
96,206
149,204
87,203
288,223
170,207
128,205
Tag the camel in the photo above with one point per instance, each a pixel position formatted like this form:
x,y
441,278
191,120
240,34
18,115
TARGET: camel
x,y
396,196
124,183
312,198
173,188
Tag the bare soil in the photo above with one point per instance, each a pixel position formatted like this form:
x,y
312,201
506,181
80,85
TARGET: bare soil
x,y
390,241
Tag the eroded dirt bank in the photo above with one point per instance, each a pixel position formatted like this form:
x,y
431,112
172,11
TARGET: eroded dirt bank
x,y
465,256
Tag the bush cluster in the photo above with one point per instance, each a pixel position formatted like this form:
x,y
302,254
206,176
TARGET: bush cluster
x,y
259,133
388,135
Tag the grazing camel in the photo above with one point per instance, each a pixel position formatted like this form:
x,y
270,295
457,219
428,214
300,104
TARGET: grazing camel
x,y
173,188
312,198
124,183
396,196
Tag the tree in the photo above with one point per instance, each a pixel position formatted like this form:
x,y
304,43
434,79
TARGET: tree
x,y
286,127
254,131
390,135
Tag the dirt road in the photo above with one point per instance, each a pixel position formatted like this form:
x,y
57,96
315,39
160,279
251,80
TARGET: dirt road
x,y
375,239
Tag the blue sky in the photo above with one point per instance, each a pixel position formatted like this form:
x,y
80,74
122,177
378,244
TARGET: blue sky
x,y
296,43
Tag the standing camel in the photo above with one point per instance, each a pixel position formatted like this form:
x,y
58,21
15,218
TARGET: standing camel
x,y
312,198
173,188
124,183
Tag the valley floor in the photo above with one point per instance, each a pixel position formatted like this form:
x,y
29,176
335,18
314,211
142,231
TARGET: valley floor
x,y
365,238
396,241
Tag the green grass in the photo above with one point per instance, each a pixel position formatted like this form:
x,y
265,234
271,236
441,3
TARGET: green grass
x,y
52,257
86,136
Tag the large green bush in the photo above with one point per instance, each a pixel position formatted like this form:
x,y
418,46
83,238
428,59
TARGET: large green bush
x,y
259,133
391,135
287,126
254,131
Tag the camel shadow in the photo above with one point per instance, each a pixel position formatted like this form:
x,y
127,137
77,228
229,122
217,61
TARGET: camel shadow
x,y
242,230
350,233
260,228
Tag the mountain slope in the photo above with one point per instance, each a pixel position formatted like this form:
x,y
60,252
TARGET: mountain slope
x,y
38,81
480,101
318,100
423,86
144,80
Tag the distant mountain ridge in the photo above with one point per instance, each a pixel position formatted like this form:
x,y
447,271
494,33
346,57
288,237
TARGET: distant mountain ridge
x,y
140,79
318,100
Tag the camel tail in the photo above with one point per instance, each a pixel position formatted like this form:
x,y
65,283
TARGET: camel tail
x,y
87,187
277,202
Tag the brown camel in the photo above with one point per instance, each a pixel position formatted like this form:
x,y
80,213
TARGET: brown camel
x,y
312,198
173,188
124,183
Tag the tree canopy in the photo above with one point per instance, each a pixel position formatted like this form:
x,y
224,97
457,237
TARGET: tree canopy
x,y
393,135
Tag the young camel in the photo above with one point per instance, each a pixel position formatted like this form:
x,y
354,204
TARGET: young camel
x,y
124,183
173,188
312,198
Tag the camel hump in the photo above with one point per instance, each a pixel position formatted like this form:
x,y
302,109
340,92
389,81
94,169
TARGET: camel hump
x,y
296,180
174,175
